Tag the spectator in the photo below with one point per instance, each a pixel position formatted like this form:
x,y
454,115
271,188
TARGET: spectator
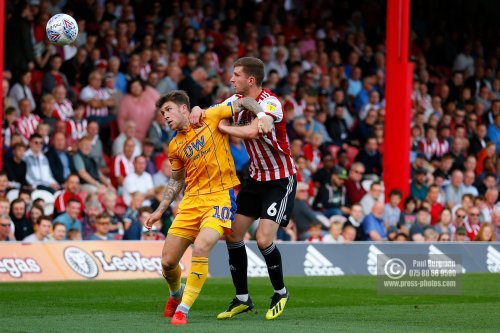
x,y
418,188
158,132
58,232
371,157
16,168
455,190
163,175
331,198
63,109
53,77
110,203
469,180
131,217
23,226
22,90
495,220
421,224
435,206
35,212
102,224
96,152
494,132
430,235
348,234
485,154
324,174
373,223
240,155
38,173
92,209
370,198
128,133
302,214
392,213
486,233
70,217
490,203
443,225
70,191
478,140
355,220
91,178
337,126
76,126
138,181
123,164
5,229
335,235
43,226
60,162
138,97
97,100
314,232
28,122
461,235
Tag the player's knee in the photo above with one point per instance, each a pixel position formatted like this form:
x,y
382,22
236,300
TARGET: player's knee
x,y
167,263
200,251
263,241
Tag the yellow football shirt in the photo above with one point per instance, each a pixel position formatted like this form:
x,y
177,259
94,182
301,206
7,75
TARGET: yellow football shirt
x,y
205,154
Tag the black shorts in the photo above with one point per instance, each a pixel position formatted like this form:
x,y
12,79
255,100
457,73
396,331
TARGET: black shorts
x,y
271,200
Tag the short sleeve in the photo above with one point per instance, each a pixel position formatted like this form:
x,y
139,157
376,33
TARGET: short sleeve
x,y
272,107
78,161
220,111
86,94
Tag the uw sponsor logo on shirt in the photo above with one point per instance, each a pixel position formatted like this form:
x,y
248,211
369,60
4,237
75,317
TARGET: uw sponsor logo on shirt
x,y
194,147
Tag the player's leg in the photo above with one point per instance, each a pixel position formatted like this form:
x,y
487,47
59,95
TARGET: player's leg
x,y
248,207
238,266
278,206
203,245
173,249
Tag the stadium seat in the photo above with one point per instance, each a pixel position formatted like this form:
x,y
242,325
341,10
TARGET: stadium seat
x,y
13,194
48,197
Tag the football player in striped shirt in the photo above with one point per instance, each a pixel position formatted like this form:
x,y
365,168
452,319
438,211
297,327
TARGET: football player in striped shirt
x,y
269,193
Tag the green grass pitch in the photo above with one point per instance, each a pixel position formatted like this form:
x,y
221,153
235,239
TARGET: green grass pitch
x,y
317,304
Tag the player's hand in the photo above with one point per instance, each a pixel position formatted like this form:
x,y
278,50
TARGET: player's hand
x,y
223,124
196,116
265,125
152,219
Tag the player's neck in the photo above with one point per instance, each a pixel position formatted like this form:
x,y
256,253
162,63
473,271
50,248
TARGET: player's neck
x,y
253,92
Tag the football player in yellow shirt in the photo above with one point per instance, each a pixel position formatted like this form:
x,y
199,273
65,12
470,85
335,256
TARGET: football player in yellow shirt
x,y
201,160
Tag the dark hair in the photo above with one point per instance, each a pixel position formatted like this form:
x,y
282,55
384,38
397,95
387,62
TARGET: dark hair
x,y
408,200
10,110
422,209
252,67
396,192
73,200
35,136
375,183
36,202
131,82
178,97
43,217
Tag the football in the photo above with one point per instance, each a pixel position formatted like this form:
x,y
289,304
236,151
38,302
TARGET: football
x,y
61,29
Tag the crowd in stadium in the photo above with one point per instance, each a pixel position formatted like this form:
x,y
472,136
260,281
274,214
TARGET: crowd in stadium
x,y
85,150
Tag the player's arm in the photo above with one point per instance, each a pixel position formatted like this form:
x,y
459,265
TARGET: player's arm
x,y
265,124
250,131
174,187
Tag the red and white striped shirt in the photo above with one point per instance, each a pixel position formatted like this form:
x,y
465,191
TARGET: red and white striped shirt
x,y
435,148
121,167
88,93
63,111
26,126
76,129
269,154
